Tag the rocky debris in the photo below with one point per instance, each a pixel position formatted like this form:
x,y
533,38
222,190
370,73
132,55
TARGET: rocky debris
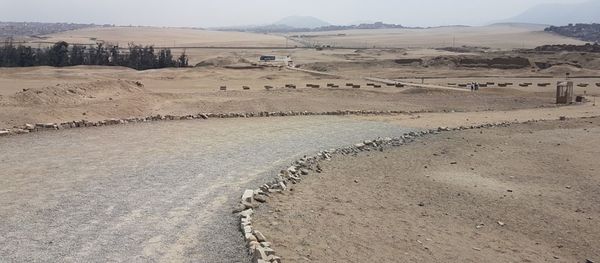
x,y
200,116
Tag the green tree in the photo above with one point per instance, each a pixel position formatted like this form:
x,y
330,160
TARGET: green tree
x,y
182,61
77,55
59,54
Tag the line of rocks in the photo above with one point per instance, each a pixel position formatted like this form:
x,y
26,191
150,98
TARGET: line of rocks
x,y
29,128
258,245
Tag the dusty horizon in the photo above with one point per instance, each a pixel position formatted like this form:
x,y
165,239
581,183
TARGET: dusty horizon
x,y
182,13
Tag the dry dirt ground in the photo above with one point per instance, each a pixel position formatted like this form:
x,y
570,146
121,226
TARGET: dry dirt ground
x,y
169,37
500,36
44,94
527,193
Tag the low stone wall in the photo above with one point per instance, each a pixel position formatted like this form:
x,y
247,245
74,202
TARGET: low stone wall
x,y
29,128
258,245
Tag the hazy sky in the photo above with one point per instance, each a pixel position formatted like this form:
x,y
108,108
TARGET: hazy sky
x,y
211,13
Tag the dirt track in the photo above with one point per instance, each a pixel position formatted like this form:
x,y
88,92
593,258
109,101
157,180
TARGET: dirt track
x,y
158,192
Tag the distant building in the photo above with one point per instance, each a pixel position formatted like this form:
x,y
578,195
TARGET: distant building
x,y
267,58
276,60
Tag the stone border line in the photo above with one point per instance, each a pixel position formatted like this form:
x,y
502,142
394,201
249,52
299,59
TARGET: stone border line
x,y
38,127
258,245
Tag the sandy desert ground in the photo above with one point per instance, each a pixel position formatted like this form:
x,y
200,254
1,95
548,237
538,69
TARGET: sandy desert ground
x,y
527,193
547,215
166,37
500,36
55,95
44,94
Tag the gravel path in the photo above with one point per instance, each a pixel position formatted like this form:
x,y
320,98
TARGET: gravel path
x,y
156,192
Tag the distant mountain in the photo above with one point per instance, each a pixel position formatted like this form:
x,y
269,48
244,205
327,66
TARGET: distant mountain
x,y
301,22
561,14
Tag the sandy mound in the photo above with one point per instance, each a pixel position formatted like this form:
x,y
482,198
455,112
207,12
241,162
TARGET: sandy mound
x,y
561,70
223,61
76,93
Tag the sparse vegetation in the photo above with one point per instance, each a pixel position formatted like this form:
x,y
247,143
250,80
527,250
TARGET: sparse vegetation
x,y
62,54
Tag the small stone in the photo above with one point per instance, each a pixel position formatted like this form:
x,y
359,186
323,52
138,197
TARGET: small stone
x,y
274,259
421,204
252,245
260,198
265,244
259,236
260,253
303,171
250,237
248,196
283,186
500,223
239,208
247,213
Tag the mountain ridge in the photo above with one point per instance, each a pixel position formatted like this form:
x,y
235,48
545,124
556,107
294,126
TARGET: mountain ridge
x,y
560,14
301,22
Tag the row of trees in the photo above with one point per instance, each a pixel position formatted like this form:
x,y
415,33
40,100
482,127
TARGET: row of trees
x,y
62,54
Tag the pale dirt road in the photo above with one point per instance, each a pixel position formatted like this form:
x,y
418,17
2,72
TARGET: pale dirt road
x,y
456,119
155,192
